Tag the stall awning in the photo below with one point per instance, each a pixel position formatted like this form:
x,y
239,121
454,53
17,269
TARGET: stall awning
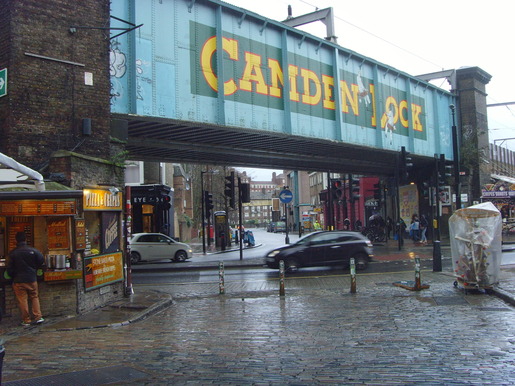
x,y
33,181
510,180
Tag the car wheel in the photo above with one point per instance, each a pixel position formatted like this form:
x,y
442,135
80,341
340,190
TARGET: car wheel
x,y
135,257
293,265
180,256
361,261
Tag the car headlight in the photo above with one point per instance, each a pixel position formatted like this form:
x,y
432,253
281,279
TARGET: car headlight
x,y
273,254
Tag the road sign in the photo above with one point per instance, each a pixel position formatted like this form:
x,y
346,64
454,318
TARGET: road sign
x,y
3,82
285,196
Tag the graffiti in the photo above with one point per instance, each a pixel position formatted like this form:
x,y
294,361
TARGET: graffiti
x,y
117,69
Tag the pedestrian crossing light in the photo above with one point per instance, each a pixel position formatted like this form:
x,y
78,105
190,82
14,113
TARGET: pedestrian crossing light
x,y
230,190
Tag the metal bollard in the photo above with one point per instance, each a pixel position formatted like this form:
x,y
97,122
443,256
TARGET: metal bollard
x,y
418,285
437,256
281,278
221,277
352,276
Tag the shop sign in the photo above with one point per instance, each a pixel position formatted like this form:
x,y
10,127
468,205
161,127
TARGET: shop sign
x,y
63,275
37,207
110,232
100,199
102,270
498,194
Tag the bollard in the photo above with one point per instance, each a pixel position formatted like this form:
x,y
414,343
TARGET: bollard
x,y
437,256
2,354
418,285
352,276
221,276
281,278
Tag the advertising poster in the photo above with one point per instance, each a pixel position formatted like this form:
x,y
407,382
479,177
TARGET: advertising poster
x,y
102,270
408,196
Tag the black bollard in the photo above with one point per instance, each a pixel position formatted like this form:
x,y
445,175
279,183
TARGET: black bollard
x,y
437,256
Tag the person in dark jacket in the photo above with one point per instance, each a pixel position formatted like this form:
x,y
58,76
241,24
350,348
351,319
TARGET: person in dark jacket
x,y
23,265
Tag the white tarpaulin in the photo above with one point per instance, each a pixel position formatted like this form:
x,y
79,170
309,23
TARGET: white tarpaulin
x,y
475,234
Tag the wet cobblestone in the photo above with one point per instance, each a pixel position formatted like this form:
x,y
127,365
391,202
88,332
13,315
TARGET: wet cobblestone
x,y
318,333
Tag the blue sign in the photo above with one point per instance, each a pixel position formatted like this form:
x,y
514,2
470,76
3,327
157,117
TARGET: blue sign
x,y
285,196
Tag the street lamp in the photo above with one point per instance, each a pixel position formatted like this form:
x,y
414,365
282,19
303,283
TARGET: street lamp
x,y
456,157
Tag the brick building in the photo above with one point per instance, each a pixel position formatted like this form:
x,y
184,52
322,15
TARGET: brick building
x,y
55,119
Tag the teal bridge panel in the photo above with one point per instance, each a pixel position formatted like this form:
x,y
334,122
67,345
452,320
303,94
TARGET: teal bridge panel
x,y
209,62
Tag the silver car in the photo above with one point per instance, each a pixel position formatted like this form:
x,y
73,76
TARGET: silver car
x,y
156,246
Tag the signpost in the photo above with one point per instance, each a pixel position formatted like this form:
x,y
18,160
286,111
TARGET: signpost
x,y
285,197
3,82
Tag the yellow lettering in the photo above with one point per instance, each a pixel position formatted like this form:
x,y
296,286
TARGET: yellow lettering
x,y
352,98
276,76
403,113
253,73
416,110
373,118
390,102
206,58
293,71
328,101
310,77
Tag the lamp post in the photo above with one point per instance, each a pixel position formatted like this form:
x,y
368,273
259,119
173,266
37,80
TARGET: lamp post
x,y
456,157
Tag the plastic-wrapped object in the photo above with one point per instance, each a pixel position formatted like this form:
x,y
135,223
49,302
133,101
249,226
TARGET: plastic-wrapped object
x,y
476,248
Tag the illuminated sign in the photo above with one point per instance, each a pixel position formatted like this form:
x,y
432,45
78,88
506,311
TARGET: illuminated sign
x,y
99,199
38,207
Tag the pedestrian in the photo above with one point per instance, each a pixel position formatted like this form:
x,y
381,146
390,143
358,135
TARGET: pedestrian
x,y
423,228
23,267
415,228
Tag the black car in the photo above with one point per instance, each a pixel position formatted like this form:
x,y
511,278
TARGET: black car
x,y
323,248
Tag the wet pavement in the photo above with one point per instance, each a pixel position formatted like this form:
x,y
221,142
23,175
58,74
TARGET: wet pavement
x,y
317,333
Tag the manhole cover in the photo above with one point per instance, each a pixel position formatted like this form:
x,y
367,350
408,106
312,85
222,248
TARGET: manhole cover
x,y
91,377
450,301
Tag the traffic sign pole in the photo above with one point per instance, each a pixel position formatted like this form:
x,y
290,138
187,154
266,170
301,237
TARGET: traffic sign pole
x,y
286,196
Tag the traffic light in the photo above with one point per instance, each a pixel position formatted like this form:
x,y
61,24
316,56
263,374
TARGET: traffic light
x,y
406,163
443,173
166,202
377,191
354,189
208,200
245,192
230,189
337,190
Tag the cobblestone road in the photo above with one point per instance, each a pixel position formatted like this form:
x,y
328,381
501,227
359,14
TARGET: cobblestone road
x,y
317,333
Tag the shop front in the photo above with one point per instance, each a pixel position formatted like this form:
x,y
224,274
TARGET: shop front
x,y
502,195
79,233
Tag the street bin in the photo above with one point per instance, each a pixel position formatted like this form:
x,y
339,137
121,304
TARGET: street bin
x,y
476,245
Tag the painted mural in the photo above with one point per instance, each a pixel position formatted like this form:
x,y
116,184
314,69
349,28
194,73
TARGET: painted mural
x,y
211,62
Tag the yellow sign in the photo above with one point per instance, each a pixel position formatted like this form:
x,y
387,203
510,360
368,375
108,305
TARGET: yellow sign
x,y
100,199
63,275
103,269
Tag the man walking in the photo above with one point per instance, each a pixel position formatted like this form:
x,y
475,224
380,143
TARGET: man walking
x,y
23,265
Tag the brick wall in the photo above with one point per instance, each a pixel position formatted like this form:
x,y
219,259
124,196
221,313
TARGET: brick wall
x,y
48,98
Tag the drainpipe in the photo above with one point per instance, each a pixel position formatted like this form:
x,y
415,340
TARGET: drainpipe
x,y
32,174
